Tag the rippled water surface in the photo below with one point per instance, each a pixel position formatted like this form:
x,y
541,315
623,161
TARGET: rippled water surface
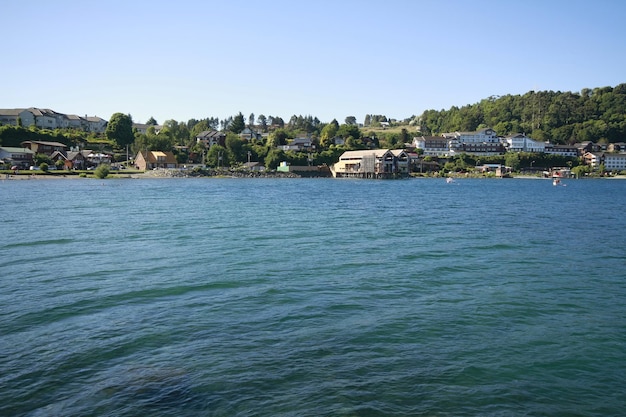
x,y
282,297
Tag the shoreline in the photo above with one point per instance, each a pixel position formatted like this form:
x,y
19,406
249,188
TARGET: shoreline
x,y
151,175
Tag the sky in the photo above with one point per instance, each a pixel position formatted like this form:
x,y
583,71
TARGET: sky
x,y
189,59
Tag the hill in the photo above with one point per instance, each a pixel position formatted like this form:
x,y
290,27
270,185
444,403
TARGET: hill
x,y
597,115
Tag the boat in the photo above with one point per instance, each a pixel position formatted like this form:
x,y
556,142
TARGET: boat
x,y
449,180
556,181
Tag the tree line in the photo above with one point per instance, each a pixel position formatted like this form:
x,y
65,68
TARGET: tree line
x,y
596,115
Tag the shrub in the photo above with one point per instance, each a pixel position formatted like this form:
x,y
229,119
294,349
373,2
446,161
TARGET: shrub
x,y
102,171
43,166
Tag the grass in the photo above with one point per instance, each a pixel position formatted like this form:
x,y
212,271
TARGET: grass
x,y
380,131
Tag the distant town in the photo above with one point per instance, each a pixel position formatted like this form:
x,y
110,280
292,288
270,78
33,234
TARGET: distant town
x,y
43,139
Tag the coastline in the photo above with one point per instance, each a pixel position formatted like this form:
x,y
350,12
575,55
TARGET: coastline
x,y
177,174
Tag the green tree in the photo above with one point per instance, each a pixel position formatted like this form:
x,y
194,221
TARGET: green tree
x,y
404,137
512,160
120,130
238,124
178,131
234,144
152,121
581,170
328,133
217,156
348,130
278,138
273,158
351,120
262,120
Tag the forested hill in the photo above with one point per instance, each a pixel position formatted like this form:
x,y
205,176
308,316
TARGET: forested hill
x,y
597,115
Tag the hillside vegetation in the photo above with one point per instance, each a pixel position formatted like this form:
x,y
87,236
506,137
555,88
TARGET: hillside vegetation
x,y
597,115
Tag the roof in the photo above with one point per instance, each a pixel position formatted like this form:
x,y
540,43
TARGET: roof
x,y
363,153
11,149
40,142
152,156
95,119
516,135
11,112
73,155
300,140
210,134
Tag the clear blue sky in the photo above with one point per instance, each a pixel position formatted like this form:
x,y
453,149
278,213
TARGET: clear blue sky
x,y
330,59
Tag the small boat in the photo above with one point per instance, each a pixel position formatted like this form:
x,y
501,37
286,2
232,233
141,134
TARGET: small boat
x,y
556,181
449,180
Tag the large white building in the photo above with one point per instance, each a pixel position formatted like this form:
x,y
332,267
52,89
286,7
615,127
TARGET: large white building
x,y
518,142
611,161
432,145
483,142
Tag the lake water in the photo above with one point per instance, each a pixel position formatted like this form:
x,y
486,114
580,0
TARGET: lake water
x,y
312,297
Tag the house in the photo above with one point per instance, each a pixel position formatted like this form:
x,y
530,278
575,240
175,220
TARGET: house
x,y
59,156
95,124
76,159
519,142
249,134
155,159
9,116
611,161
299,144
75,122
403,161
432,145
374,163
211,137
143,128
42,118
21,158
47,148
